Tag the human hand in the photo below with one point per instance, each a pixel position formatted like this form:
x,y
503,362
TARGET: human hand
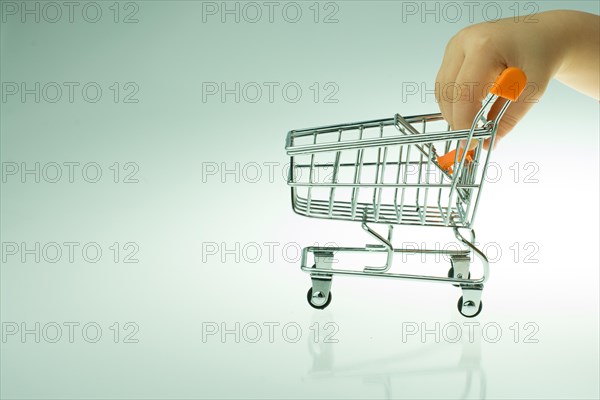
x,y
561,44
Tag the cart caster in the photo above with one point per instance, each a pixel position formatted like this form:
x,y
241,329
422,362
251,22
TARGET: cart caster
x,y
451,275
469,308
318,300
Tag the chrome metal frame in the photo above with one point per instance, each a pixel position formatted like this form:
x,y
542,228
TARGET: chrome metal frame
x,y
382,152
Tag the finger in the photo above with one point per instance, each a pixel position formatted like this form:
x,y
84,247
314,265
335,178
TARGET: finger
x,y
451,63
473,77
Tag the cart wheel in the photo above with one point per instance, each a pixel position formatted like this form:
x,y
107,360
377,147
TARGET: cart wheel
x,y
460,306
309,297
451,275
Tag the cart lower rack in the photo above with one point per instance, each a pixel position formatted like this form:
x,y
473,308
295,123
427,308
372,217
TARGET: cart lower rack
x,y
397,171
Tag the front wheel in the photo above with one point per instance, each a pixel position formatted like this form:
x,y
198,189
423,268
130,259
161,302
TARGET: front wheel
x,y
318,300
472,315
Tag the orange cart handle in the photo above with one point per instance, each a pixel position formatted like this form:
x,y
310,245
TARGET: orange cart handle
x,y
509,84
447,160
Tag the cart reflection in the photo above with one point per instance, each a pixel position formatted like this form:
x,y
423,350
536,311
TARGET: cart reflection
x,y
387,373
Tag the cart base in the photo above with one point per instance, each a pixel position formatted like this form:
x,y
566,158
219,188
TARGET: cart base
x,y
322,272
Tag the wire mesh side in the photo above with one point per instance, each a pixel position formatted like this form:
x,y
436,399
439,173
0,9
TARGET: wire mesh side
x,y
396,184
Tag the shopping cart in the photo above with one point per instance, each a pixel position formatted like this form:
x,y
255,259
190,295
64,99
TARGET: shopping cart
x,y
397,171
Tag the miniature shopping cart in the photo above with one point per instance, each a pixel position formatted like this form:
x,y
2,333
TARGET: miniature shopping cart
x,y
397,171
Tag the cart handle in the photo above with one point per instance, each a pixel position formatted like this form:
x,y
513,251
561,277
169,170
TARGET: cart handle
x,y
508,85
447,160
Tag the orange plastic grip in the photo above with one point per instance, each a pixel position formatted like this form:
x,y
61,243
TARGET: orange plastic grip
x,y
447,160
510,83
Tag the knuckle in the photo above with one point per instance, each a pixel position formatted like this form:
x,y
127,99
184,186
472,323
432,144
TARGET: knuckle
x,y
474,37
481,41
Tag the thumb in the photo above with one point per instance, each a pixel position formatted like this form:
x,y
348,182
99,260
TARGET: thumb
x,y
516,110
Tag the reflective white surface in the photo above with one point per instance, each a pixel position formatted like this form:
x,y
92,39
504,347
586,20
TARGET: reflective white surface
x,y
216,303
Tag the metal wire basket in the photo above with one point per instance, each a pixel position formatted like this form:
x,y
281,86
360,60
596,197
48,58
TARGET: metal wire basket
x,y
386,171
